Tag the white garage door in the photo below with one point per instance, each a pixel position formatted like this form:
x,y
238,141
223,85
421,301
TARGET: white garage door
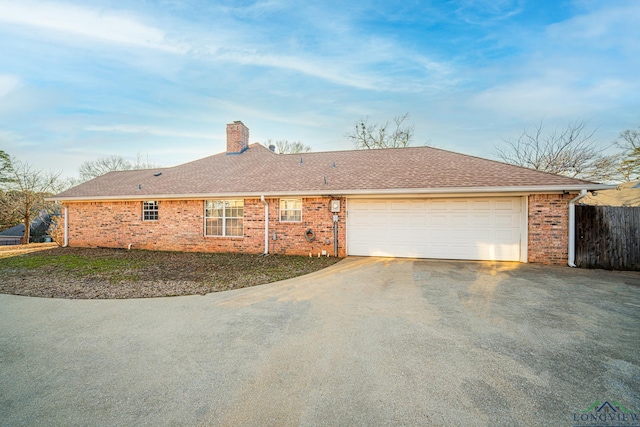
x,y
473,229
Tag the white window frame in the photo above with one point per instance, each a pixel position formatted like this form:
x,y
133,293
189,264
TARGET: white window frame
x,y
210,207
150,210
290,210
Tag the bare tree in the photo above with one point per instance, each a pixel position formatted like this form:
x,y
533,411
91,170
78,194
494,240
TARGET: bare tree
x,y
95,168
5,167
387,135
284,146
571,152
629,167
9,215
27,189
143,163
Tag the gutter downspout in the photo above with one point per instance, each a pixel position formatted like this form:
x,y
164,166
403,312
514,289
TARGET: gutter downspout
x,y
335,236
266,224
572,229
66,227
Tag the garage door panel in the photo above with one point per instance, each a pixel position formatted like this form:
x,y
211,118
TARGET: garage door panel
x,y
456,235
437,220
461,252
480,228
479,205
457,220
498,252
418,204
403,251
400,206
508,205
481,235
483,220
504,236
437,235
438,205
379,206
420,236
418,220
506,220
459,205
398,219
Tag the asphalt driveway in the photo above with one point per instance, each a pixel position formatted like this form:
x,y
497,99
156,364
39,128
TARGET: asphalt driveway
x,y
366,342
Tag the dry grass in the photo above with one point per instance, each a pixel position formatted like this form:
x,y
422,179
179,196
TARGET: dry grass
x,y
113,273
13,250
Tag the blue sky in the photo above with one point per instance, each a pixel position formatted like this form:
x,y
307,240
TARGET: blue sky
x,y
81,80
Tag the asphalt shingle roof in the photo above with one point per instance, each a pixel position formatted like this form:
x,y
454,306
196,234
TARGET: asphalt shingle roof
x,y
260,171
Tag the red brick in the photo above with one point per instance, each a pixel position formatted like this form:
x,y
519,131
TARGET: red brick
x,y
180,227
548,228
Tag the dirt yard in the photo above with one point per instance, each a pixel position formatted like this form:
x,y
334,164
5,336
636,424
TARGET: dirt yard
x,y
114,273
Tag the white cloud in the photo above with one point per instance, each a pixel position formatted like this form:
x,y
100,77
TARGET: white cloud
x,y
484,12
532,99
371,69
580,68
108,26
370,64
8,84
149,130
309,66
296,118
613,27
8,136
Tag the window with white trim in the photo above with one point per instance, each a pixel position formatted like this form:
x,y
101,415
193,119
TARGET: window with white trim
x,y
290,210
150,210
224,218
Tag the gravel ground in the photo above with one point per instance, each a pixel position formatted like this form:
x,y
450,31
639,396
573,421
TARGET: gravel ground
x,y
365,342
112,273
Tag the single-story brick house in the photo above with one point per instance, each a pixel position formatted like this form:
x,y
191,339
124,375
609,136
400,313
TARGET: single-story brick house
x,y
410,202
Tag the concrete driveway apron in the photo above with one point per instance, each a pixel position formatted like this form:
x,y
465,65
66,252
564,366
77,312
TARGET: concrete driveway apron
x,y
369,341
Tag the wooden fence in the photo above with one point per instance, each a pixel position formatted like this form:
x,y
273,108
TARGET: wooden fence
x,y
608,237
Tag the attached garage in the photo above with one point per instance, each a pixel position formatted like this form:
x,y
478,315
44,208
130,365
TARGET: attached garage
x,y
452,228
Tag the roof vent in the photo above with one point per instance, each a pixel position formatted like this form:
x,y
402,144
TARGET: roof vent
x,y
272,148
157,174
301,160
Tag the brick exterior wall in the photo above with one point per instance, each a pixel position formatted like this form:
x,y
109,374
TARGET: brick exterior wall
x,y
549,228
180,227
315,216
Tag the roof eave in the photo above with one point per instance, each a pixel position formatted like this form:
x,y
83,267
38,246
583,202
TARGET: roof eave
x,y
530,189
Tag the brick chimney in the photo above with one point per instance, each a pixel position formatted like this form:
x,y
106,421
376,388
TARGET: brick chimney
x,y
237,137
